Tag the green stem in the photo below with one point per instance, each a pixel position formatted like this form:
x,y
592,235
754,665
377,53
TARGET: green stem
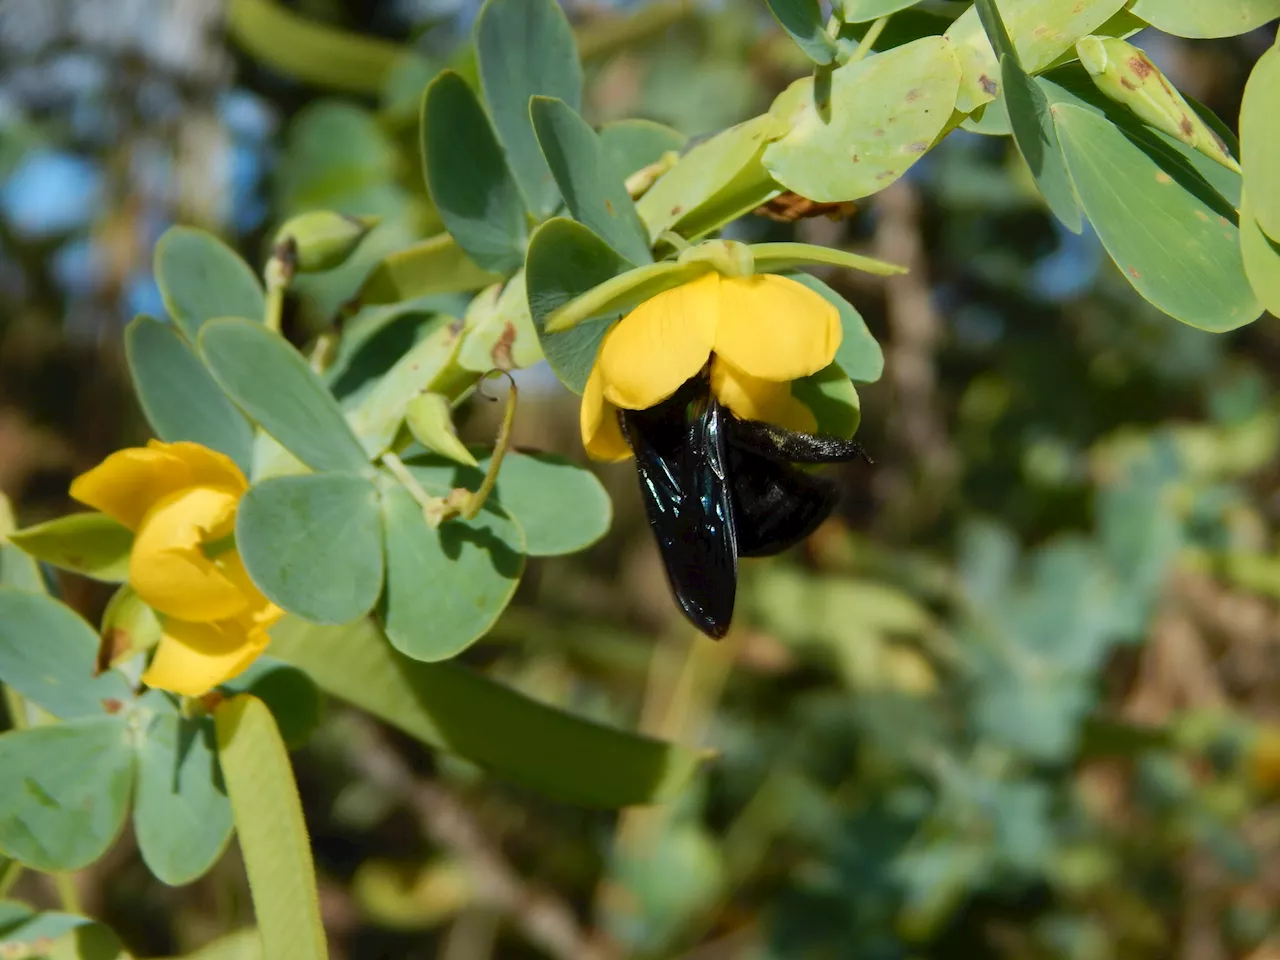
x,y
868,40
9,876
393,463
679,243
275,306
472,509
68,895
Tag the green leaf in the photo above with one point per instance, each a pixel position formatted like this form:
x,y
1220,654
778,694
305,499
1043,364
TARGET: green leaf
x,y
566,261
717,176
783,256
473,568
309,51
312,544
337,157
592,191
526,49
1261,257
91,544
1037,140
993,26
859,355
561,507
434,265
65,791
47,654
1260,139
430,365
1195,18
454,709
1177,252
17,569
468,177
179,396
273,384
803,20
57,936
244,944
272,832
200,277
833,400
860,11
290,695
180,815
631,145
885,112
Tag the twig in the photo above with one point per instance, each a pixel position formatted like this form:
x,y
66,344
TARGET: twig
x,y
544,919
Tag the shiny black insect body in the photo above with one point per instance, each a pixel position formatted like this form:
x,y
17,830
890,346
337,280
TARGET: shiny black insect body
x,y
717,488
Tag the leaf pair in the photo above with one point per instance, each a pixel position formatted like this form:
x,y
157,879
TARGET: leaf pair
x,y
68,785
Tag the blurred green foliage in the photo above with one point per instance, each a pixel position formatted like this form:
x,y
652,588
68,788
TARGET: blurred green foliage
x,y
1017,700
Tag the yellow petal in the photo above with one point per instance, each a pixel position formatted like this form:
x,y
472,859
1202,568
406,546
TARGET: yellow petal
x,y
775,328
660,344
168,568
751,398
130,481
601,434
193,658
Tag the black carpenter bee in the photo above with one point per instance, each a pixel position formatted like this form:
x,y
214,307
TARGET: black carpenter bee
x,y
717,488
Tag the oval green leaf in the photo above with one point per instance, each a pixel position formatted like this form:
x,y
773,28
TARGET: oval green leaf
x,y
803,21
720,174
1037,142
1261,257
457,710
1260,140
310,51
65,791
91,544
181,816
831,397
592,191
179,396
631,145
200,277
47,654
313,544
445,586
566,261
525,49
859,355
885,112
1179,253
273,384
272,832
468,177
560,506
860,11
1198,19
434,265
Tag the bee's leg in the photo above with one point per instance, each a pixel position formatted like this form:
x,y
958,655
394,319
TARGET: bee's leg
x,y
776,443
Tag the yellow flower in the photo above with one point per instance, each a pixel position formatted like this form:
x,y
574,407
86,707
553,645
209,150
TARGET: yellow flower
x,y
180,501
759,332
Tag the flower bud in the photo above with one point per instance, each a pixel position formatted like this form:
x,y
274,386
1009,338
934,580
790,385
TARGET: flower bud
x,y
428,419
321,239
1126,75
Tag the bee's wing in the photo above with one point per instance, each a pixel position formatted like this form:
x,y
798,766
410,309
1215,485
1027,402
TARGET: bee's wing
x,y
682,463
